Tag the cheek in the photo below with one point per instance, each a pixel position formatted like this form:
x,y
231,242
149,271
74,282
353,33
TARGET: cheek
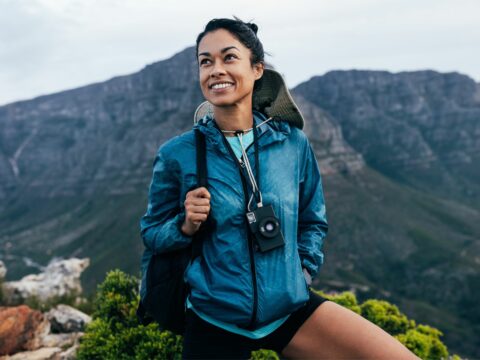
x,y
203,82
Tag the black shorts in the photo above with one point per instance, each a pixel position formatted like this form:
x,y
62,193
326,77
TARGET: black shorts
x,y
203,340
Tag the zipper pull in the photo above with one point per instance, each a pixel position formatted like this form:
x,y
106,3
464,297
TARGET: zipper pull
x,y
242,163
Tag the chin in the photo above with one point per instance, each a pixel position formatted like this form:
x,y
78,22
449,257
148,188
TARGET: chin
x,y
221,102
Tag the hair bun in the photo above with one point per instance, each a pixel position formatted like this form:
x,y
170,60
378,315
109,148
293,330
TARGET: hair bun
x,y
253,26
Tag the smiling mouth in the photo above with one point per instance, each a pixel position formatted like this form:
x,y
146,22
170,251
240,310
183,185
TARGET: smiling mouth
x,y
220,86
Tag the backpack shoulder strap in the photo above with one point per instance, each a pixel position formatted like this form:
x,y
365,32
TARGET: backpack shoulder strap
x,y
201,154
201,159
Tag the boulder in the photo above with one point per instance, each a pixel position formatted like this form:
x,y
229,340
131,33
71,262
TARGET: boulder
x,y
47,353
21,328
61,278
66,319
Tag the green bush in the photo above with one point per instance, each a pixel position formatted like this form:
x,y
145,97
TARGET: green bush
x,y
423,340
387,316
264,354
346,299
116,334
425,344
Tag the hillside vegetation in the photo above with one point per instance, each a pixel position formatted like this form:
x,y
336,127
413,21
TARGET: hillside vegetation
x,y
116,334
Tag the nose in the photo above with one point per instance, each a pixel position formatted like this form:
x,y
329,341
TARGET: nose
x,y
217,69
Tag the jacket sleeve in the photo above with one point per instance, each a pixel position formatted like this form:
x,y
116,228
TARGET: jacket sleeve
x,y
160,225
312,220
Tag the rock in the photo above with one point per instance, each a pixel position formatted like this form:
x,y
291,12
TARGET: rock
x,y
66,319
3,271
21,328
69,354
333,153
49,353
61,278
407,125
61,340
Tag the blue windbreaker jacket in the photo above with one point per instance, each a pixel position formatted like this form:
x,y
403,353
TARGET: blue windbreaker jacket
x,y
232,281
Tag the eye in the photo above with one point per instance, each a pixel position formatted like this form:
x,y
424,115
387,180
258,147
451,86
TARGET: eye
x,y
204,61
230,56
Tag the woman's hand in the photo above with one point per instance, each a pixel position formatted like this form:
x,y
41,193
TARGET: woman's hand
x,y
197,208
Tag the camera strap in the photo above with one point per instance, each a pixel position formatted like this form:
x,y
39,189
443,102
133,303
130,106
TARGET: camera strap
x,y
244,167
245,163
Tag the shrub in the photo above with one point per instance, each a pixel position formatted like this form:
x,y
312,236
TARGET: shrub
x,y
424,341
346,299
387,316
264,354
116,334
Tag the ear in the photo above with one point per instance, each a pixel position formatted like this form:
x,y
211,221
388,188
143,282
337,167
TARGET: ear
x,y
258,70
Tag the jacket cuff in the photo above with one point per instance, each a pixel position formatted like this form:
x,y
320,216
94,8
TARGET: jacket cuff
x,y
308,277
180,220
311,268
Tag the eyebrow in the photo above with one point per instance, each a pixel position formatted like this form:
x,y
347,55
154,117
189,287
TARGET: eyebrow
x,y
222,51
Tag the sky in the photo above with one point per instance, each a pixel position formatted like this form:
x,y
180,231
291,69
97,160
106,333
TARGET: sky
x,y
48,46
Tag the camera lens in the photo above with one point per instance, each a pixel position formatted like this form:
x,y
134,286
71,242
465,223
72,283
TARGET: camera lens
x,y
269,227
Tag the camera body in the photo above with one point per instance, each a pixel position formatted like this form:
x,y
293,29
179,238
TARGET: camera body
x,y
265,226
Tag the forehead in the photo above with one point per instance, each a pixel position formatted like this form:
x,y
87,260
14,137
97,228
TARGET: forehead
x,y
215,41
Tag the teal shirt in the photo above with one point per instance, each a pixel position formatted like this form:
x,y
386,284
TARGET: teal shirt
x,y
253,334
247,139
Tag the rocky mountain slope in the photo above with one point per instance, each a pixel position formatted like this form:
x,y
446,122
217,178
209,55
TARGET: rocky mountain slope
x,y
421,128
398,155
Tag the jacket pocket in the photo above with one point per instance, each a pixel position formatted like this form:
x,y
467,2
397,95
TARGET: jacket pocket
x,y
302,274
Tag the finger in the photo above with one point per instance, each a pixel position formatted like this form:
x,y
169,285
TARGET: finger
x,y
199,209
191,203
195,218
199,202
201,192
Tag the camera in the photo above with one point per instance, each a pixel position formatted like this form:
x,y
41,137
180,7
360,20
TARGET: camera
x,y
266,228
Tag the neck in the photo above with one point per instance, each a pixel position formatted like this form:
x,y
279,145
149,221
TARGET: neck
x,y
233,118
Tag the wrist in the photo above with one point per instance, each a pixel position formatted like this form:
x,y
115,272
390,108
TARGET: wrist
x,y
182,226
185,230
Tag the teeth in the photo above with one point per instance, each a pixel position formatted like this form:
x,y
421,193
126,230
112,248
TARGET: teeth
x,y
221,86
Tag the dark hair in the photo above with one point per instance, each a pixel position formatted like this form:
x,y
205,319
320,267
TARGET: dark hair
x,y
246,33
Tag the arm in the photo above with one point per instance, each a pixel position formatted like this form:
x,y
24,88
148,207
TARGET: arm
x,y
160,226
312,220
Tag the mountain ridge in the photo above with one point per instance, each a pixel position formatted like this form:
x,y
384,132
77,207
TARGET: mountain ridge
x,y
81,179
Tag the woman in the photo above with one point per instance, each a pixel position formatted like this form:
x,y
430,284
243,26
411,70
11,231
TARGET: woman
x,y
250,288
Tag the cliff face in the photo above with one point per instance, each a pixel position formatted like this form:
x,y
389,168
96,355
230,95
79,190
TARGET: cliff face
x,y
421,127
98,138
398,154
333,153
102,137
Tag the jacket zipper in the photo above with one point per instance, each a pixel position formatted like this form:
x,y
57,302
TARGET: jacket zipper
x,y
241,163
252,264
251,246
251,249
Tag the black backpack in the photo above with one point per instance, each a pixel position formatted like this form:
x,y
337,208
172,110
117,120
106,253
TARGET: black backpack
x,y
166,292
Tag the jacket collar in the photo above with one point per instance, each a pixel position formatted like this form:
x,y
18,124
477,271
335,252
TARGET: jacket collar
x,y
268,133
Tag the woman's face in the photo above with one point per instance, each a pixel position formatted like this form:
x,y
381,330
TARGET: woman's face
x,y
226,74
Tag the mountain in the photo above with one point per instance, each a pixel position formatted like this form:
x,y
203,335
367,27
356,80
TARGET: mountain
x,y
397,153
420,128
